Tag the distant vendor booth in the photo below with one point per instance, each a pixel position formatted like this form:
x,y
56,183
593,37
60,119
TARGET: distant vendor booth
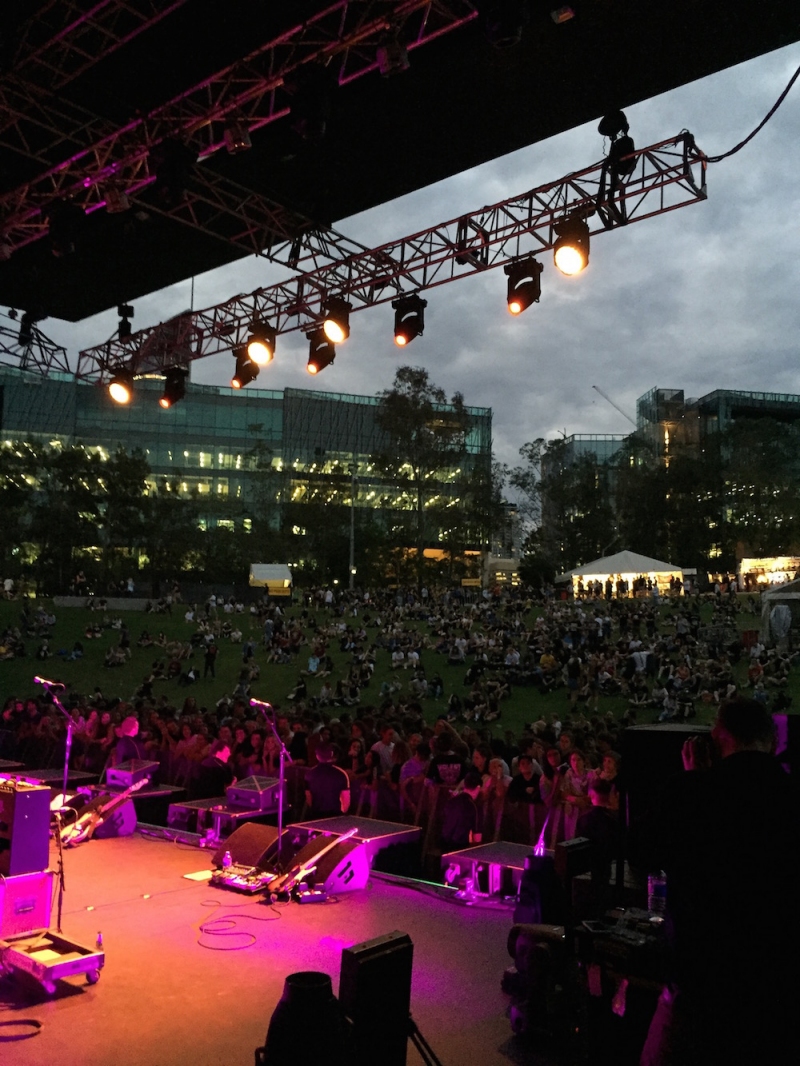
x,y
755,575
275,578
624,575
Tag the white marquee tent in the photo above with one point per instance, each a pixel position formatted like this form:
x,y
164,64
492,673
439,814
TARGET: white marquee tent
x,y
276,578
627,565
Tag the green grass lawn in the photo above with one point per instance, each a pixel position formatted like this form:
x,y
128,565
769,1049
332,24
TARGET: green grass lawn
x,y
16,676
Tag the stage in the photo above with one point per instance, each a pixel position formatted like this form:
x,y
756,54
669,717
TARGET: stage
x,y
171,995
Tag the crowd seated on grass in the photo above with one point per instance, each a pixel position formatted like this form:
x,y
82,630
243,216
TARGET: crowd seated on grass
x,y
407,741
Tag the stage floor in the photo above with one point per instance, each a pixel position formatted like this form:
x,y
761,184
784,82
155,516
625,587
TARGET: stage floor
x,y
170,995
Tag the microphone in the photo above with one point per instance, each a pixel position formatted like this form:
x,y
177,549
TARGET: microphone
x,y
260,703
48,684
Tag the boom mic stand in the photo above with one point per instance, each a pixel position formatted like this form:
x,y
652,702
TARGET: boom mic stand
x,y
51,688
283,755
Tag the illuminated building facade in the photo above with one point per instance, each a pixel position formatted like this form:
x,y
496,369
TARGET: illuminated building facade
x,y
233,446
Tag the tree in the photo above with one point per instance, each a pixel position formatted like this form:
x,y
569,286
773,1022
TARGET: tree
x,y
124,507
20,469
425,441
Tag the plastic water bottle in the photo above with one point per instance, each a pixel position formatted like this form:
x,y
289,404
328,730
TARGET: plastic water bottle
x,y
226,860
657,893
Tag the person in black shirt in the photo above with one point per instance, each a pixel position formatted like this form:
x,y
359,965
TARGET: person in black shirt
x,y
327,785
728,841
524,787
127,746
461,816
214,773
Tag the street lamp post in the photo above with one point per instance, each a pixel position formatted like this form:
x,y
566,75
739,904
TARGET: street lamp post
x,y
352,524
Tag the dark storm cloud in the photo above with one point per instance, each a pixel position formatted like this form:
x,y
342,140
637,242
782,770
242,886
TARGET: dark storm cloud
x,y
701,298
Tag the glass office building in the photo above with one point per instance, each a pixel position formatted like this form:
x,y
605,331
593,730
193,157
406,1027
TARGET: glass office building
x,y
218,442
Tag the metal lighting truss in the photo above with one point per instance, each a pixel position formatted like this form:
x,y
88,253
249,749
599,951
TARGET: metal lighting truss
x,y
38,353
64,38
666,176
252,91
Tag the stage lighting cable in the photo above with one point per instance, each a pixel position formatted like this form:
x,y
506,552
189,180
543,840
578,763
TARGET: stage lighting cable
x,y
760,126
36,1028
228,926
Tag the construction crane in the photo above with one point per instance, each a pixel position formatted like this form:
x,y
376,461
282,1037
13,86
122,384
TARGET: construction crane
x,y
615,405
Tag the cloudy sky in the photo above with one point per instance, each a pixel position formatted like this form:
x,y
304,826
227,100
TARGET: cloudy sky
x,y
697,299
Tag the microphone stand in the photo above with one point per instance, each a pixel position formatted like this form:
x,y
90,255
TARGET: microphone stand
x,y
283,755
51,687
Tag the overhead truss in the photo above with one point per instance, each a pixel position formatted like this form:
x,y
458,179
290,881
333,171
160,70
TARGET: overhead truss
x,y
253,92
666,176
23,346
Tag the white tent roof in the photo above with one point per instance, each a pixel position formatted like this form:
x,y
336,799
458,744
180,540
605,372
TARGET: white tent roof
x,y
788,590
623,563
270,574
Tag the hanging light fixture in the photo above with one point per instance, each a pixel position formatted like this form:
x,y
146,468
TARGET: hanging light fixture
x,y
261,343
524,284
321,351
409,319
174,386
337,319
120,388
246,370
571,249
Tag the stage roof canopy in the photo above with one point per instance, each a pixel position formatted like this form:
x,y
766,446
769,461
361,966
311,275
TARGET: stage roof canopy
x,y
84,96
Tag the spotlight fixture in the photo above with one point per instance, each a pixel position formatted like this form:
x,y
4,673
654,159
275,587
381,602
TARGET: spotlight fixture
x,y
261,343
524,284
125,312
562,14
26,324
120,388
237,137
117,201
174,386
615,127
392,56
571,249
336,323
409,319
321,351
246,370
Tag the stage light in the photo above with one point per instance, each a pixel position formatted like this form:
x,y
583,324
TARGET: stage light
x,y
120,388
392,56
524,284
321,351
237,137
571,250
615,126
409,319
174,386
336,323
125,312
261,343
26,323
245,372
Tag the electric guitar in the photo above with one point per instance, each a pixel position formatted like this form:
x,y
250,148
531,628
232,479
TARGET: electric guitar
x,y
96,813
292,878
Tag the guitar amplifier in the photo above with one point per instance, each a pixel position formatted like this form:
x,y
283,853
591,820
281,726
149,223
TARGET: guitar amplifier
x,y
25,902
131,772
24,828
255,793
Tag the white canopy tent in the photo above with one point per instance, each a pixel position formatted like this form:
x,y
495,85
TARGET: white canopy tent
x,y
775,623
626,565
276,578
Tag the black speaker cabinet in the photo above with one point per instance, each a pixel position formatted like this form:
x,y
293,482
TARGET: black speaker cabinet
x,y
375,994
344,866
24,828
250,845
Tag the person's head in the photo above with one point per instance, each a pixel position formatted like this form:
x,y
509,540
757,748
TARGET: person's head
x,y
577,762
128,727
481,756
472,783
443,744
325,753
565,741
554,757
610,764
526,766
225,734
600,792
221,750
743,725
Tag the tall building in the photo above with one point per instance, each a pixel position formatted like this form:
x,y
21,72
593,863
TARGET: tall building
x,y
313,447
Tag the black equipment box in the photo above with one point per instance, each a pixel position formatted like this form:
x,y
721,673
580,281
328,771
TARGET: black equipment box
x,y
131,772
255,793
